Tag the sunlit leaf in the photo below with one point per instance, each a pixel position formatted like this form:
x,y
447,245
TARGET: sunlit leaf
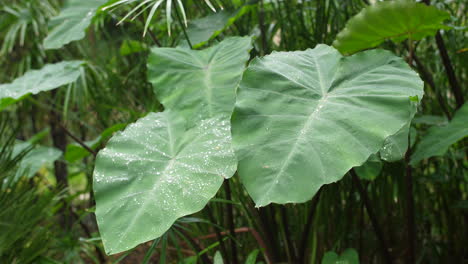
x,y
156,171
303,119
389,20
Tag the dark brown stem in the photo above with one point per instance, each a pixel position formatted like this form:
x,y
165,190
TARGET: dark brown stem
x,y
230,222
153,37
306,232
427,77
59,140
411,258
77,140
287,234
456,89
197,248
261,21
375,223
222,247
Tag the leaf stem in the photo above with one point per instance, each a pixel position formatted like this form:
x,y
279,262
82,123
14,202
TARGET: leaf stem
x,y
222,247
410,207
183,28
375,224
230,220
306,232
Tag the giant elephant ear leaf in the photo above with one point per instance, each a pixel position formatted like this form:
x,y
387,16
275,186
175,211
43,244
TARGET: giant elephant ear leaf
x,y
303,119
156,171
439,138
72,22
50,77
389,20
199,84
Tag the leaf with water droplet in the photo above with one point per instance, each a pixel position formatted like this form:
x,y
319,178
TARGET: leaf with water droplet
x,y
326,114
156,171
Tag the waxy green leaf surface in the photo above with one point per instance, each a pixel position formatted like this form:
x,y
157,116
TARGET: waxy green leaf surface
x,y
72,22
199,84
389,20
303,119
156,171
439,138
49,77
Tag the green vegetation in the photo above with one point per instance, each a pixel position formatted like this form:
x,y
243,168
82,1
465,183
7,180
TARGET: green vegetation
x,y
246,131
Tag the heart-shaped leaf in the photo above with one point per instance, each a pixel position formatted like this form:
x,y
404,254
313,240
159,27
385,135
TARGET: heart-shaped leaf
x,y
393,20
199,84
156,171
303,119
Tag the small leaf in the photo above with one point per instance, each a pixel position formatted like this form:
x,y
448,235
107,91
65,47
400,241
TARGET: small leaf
x,y
35,159
75,151
370,169
72,22
252,257
438,139
156,171
218,259
303,119
201,30
349,256
50,77
393,20
132,46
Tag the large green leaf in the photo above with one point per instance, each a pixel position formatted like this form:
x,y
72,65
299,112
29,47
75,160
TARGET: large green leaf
x,y
389,20
72,22
51,76
303,119
156,171
439,139
199,84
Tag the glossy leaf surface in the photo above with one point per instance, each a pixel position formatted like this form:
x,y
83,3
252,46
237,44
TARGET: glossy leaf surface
x,y
199,84
389,20
303,119
72,22
49,77
156,171
438,139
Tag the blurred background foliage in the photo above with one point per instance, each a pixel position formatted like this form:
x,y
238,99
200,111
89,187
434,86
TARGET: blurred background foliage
x,y
46,210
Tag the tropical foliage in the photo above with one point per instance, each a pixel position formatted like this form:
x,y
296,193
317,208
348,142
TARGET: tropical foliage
x,y
246,131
